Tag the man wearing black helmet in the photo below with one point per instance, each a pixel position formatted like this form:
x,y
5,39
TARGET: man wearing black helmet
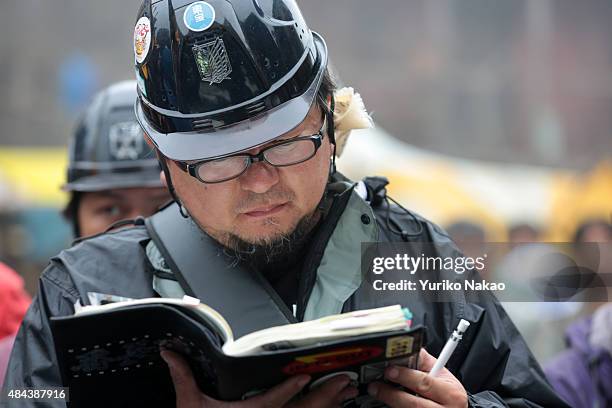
x,y
237,101
112,174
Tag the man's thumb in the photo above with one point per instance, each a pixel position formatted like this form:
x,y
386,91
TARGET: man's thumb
x,y
184,383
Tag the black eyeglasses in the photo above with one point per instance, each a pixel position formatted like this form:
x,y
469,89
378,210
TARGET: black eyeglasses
x,y
282,154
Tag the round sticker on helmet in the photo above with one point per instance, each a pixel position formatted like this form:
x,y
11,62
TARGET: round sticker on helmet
x,y
142,39
199,16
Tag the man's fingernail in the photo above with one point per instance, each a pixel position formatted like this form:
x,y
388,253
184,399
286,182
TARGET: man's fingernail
x,y
393,373
165,357
303,381
373,389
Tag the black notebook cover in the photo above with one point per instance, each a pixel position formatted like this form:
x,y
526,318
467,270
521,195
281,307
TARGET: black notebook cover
x,y
112,358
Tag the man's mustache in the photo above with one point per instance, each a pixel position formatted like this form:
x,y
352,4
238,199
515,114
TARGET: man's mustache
x,y
254,200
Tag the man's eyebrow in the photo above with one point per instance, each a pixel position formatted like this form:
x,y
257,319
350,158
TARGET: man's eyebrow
x,y
109,194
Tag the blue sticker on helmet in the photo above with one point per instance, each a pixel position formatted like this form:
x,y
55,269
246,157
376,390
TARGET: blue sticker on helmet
x,y
199,16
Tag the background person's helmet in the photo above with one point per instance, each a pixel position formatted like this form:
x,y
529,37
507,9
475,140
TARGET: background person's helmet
x,y
108,150
218,77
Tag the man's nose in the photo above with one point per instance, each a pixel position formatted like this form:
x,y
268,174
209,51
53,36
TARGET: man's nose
x,y
259,177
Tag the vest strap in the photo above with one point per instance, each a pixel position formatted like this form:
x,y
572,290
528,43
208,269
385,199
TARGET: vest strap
x,y
244,298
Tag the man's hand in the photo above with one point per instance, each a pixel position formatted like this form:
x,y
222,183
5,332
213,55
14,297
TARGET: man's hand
x,y
443,390
330,394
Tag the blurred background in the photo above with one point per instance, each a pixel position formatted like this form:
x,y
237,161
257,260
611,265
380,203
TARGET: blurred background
x,y
494,117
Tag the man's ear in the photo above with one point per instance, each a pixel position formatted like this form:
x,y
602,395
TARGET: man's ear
x,y
162,173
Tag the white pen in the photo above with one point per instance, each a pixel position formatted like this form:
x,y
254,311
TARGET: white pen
x,y
449,347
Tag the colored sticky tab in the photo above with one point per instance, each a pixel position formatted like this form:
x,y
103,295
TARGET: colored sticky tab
x,y
407,314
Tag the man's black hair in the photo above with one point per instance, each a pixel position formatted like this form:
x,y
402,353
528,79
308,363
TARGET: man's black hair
x,y
327,88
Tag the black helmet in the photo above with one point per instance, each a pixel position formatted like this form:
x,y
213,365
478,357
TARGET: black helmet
x,y
221,76
108,149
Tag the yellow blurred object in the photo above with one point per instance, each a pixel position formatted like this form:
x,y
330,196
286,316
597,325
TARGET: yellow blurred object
x,y
578,198
33,176
436,193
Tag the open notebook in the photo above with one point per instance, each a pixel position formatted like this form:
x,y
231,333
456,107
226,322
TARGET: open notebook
x,y
116,347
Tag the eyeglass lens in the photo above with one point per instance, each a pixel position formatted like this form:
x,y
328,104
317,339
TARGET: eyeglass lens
x,y
285,154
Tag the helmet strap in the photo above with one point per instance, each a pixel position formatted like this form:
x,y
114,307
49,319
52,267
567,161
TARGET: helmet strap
x,y
166,170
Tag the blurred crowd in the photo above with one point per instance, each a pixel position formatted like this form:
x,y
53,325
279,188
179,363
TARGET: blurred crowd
x,y
573,340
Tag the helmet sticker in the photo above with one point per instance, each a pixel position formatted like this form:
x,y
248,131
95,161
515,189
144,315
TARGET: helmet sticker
x,y
199,16
126,140
142,39
212,61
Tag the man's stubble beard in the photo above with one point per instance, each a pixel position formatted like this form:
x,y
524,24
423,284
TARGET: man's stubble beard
x,y
260,252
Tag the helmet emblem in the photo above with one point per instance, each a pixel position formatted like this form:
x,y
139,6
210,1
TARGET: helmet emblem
x,y
212,61
126,141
